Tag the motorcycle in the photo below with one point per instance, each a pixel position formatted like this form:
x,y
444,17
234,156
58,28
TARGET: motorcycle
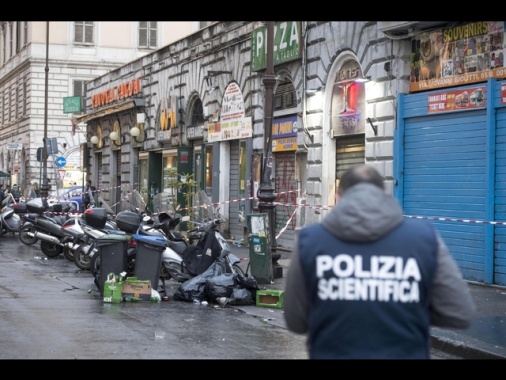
x,y
183,258
48,230
29,224
182,261
10,221
87,237
96,222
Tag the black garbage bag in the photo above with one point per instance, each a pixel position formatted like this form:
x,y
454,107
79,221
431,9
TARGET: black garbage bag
x,y
241,296
195,288
231,288
221,286
249,283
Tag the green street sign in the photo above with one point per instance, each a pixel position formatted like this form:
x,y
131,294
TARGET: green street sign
x,y
72,104
287,44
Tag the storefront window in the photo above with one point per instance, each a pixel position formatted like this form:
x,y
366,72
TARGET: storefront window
x,y
209,170
169,178
143,178
242,183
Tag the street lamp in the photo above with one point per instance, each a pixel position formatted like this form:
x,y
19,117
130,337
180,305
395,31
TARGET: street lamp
x,y
44,188
265,192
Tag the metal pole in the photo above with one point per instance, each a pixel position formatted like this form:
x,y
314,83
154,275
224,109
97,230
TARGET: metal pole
x,y
265,192
44,188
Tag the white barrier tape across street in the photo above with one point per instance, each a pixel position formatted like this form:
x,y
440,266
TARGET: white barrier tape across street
x,y
316,207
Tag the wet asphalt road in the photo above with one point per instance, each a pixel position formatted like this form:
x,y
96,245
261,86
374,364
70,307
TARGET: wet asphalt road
x,y
50,309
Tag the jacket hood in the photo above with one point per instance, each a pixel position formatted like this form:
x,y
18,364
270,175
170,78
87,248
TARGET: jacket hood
x,y
364,213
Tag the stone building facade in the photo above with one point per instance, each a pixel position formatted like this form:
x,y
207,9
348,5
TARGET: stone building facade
x,y
50,61
189,80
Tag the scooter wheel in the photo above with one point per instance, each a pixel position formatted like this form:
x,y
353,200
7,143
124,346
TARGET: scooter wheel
x,y
95,264
81,258
68,253
50,249
24,237
237,269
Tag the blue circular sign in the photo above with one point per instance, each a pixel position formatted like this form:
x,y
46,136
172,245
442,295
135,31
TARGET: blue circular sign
x,y
60,161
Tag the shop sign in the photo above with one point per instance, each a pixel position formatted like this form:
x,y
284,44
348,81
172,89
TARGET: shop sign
x,y
287,44
233,124
463,54
167,118
458,100
120,92
348,101
196,132
284,134
503,93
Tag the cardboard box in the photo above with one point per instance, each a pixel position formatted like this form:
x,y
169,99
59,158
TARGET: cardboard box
x,y
270,298
140,289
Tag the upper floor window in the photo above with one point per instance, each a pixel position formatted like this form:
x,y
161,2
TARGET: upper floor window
x,y
18,35
147,34
9,104
16,103
285,96
197,113
79,89
25,33
25,96
203,24
4,44
11,39
83,32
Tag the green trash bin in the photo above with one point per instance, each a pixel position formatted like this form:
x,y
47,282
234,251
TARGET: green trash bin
x,y
113,251
259,248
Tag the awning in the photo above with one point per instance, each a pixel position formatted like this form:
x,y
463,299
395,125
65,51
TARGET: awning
x,y
115,108
3,174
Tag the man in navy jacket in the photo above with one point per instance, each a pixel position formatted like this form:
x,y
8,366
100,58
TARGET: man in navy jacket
x,y
367,283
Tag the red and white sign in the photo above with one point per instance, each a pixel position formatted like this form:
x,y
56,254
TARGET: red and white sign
x,y
458,100
61,173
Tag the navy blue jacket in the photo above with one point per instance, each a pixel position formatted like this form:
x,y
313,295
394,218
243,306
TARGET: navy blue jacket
x,y
382,285
367,282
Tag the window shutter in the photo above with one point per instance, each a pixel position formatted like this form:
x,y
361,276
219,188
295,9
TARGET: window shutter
x,y
78,88
88,38
143,34
152,34
78,32
285,96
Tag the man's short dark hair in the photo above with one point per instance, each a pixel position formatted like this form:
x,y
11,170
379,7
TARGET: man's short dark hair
x,y
358,174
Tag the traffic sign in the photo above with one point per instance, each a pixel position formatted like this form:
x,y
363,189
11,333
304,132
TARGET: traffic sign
x,y
61,173
60,161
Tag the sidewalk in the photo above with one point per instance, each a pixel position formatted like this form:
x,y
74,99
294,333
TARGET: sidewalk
x,y
484,339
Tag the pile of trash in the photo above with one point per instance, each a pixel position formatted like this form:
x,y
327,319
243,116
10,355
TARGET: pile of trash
x,y
216,286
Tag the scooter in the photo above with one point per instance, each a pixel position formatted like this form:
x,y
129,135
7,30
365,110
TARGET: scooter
x,y
184,258
94,223
10,221
182,261
29,225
